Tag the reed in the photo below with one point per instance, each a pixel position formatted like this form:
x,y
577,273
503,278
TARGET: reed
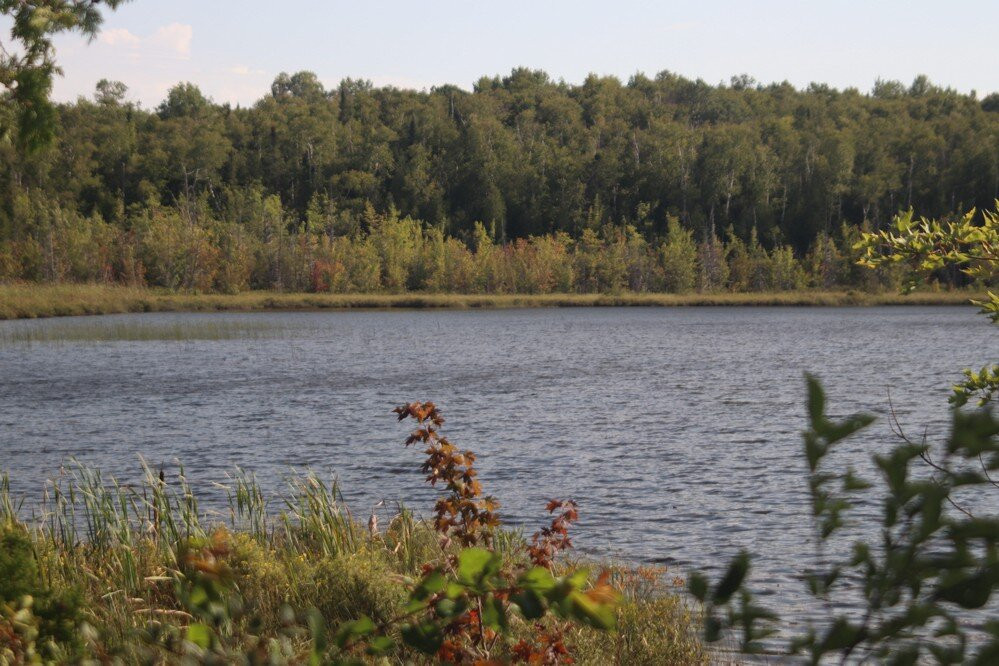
x,y
25,301
119,554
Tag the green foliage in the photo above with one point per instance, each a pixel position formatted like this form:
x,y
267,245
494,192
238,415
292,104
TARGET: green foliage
x,y
36,621
364,582
650,618
26,72
981,384
19,574
475,599
678,254
926,247
936,562
366,189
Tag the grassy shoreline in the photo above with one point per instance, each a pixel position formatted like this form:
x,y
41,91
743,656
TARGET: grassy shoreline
x,y
27,301
106,575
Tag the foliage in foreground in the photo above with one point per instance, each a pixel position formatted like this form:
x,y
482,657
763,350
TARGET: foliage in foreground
x,y
26,71
927,588
121,574
927,247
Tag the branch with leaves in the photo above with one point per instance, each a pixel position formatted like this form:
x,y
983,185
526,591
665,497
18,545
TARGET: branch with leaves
x,y
461,610
27,64
920,585
927,246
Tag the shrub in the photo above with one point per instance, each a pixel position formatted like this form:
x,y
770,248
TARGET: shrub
x,y
361,583
34,617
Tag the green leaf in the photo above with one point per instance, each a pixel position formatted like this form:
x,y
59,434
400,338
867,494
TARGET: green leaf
x,y
200,634
431,584
448,608
577,579
841,635
493,613
538,579
816,402
970,591
697,585
973,433
589,612
380,645
732,579
351,631
476,566
853,483
564,587
198,596
530,604
425,636
454,589
317,629
712,629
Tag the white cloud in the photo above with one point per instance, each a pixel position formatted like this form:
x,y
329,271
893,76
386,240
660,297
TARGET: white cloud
x,y
119,37
243,70
175,37
173,40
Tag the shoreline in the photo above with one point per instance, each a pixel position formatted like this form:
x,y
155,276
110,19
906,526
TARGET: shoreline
x,y
31,301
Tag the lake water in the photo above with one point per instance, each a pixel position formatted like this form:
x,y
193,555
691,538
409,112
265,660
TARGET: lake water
x,y
677,430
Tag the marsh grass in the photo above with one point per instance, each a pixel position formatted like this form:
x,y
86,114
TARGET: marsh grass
x,y
25,301
118,547
132,329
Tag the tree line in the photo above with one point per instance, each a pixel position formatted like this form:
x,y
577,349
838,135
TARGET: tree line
x,y
523,184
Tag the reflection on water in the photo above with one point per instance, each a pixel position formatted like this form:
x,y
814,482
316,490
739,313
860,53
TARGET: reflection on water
x,y
677,430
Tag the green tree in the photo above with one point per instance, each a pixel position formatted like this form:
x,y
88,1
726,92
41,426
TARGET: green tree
x,y
26,70
678,255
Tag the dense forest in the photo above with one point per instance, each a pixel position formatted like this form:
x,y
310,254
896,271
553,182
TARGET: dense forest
x,y
523,184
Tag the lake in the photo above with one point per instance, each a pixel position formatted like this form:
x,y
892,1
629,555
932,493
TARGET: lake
x,y
677,430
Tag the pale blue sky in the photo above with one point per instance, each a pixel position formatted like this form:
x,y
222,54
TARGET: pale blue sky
x,y
233,49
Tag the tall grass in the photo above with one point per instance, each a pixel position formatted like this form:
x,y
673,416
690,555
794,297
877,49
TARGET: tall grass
x,y
120,547
316,518
19,301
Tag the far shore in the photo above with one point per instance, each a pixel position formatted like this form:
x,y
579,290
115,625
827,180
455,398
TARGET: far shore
x,y
26,301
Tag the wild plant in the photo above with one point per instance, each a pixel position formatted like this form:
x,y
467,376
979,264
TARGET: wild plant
x,y
463,515
315,515
9,508
164,584
935,561
461,611
935,568
247,505
549,541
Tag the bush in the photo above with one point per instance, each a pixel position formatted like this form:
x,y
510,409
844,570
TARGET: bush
x,y
361,583
33,617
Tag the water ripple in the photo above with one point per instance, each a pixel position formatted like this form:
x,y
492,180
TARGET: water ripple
x,y
677,430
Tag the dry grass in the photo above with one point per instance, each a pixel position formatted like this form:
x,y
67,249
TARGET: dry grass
x,y
22,301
